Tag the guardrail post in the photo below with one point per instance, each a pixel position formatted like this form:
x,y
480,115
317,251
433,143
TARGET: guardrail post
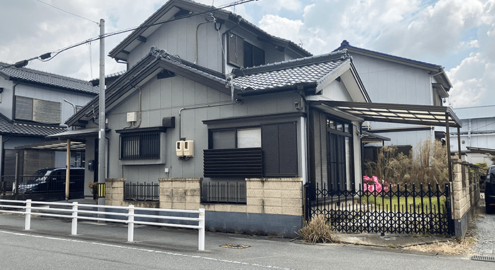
x,y
74,218
201,237
130,224
27,225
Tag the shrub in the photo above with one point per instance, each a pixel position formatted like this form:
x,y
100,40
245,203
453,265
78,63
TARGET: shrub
x,y
316,231
426,164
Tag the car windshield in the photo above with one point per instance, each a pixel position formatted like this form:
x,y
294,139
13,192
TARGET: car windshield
x,y
40,175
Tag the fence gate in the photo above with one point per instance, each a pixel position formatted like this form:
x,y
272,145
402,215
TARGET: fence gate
x,y
398,209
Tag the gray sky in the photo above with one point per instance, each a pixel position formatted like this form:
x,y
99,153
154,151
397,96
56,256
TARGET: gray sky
x,y
457,34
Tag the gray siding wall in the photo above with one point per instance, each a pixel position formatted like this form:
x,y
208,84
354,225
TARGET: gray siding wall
x,y
388,82
164,98
6,104
179,38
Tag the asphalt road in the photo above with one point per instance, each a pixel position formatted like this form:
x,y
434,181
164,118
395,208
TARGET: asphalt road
x,y
49,246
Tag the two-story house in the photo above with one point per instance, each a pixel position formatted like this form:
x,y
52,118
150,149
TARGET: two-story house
x,y
32,107
226,117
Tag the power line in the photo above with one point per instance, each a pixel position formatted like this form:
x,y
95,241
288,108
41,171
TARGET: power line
x,y
67,12
49,56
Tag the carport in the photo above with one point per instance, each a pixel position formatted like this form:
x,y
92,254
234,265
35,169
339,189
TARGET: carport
x,y
75,139
397,113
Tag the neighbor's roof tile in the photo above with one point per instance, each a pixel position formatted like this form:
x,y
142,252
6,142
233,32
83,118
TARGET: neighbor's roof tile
x,y
46,78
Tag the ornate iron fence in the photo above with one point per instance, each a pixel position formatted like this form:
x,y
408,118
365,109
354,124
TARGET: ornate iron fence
x,y
223,192
401,209
141,191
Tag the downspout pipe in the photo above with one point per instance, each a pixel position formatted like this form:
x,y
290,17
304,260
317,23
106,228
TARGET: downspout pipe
x,y
13,98
197,39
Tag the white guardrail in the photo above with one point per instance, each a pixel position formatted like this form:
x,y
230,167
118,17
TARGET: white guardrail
x,y
75,209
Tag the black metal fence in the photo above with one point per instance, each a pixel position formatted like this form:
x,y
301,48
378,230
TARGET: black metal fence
x,y
223,192
400,209
141,191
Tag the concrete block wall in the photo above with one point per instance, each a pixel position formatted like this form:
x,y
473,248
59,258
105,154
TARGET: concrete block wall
x,y
278,196
180,193
274,205
466,195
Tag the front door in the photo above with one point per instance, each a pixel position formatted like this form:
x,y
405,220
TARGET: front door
x,y
340,157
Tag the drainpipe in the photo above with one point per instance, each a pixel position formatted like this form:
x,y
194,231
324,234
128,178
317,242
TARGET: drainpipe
x,y
13,97
197,30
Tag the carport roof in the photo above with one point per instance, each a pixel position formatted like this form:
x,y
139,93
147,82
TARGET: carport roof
x,y
55,146
395,113
481,150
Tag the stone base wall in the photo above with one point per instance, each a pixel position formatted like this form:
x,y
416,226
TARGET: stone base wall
x,y
466,193
180,193
278,196
274,205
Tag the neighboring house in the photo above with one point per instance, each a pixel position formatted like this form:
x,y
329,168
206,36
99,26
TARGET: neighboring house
x,y
32,107
398,80
477,134
236,109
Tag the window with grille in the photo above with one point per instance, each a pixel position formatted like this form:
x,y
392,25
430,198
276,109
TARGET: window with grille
x,y
139,146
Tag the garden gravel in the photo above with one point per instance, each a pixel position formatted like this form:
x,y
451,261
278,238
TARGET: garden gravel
x,y
486,235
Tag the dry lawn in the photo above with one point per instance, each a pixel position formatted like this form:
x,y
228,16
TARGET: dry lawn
x,y
453,247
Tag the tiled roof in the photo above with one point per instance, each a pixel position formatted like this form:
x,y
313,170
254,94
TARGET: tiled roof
x,y
36,76
28,129
117,89
283,74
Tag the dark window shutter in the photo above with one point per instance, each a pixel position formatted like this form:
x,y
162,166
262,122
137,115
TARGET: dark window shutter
x,y
279,143
235,49
258,56
287,148
269,143
248,55
24,108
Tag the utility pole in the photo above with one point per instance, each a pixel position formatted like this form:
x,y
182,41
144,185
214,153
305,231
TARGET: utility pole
x,y
102,118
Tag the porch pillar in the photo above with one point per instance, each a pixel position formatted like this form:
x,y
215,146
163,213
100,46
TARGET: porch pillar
x,y
67,171
447,134
459,142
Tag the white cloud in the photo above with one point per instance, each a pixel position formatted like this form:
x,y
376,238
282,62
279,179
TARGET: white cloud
x,y
473,81
284,27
